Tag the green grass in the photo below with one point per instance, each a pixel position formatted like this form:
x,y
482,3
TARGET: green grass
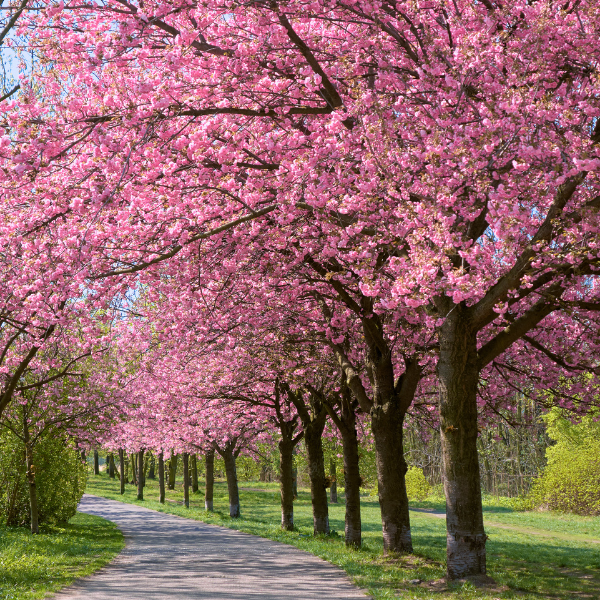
x,y
32,566
524,566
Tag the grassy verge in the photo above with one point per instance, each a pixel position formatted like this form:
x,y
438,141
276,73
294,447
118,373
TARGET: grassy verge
x,y
523,566
32,566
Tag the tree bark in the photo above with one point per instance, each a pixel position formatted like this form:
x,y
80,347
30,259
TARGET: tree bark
x,y
332,482
286,453
140,491
313,432
186,480
111,465
353,524
172,471
387,423
194,474
96,463
122,470
232,481
458,375
133,469
161,478
210,480
33,501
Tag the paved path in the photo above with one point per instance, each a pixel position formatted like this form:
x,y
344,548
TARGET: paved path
x,y
169,557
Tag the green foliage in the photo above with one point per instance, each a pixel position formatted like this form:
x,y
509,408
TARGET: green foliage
x,y
59,475
571,480
417,487
32,566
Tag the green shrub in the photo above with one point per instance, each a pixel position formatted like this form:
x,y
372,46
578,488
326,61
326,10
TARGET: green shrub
x,y
60,478
417,487
571,480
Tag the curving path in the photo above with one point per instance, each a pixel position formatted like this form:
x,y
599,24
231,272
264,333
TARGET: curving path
x,y
169,557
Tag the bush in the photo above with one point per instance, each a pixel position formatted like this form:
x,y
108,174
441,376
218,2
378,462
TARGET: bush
x,y
60,478
417,487
571,480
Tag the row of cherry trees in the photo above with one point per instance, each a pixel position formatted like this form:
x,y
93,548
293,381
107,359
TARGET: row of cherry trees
x,y
339,208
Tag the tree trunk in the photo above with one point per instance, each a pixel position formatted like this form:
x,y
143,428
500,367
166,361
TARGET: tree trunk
x,y
133,469
458,376
186,480
111,465
122,470
316,470
232,482
172,471
332,482
161,478
387,422
194,474
96,463
353,526
210,480
140,492
286,453
33,502
152,470
295,482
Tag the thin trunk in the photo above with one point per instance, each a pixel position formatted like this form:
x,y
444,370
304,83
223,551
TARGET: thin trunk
x,y
161,478
133,463
152,470
122,469
172,471
194,474
232,482
332,481
33,502
458,376
140,492
96,463
186,480
352,480
286,453
111,465
316,470
145,469
210,480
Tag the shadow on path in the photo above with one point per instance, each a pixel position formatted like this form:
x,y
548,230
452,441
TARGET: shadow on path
x,y
172,557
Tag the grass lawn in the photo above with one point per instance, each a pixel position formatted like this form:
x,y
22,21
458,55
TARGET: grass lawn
x,y
524,566
32,566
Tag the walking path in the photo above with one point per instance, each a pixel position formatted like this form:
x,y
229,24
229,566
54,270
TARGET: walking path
x,y
169,557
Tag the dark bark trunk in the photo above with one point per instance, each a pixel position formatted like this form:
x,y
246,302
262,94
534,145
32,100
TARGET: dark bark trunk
x,y
145,469
295,482
387,422
332,481
210,480
286,453
161,478
458,375
353,526
133,469
232,482
140,491
186,480
33,501
172,471
194,474
96,463
316,469
122,469
152,470
111,465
